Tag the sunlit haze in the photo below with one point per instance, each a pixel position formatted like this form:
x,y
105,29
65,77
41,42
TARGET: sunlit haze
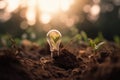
x,y
2,4
66,12
49,7
12,5
45,18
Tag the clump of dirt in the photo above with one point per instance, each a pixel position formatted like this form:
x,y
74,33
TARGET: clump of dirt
x,y
65,60
11,68
73,63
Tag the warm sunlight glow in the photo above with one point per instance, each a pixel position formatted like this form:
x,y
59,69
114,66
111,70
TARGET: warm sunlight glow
x,y
12,5
95,10
30,16
31,12
65,4
45,18
52,6
2,4
49,6
31,3
36,8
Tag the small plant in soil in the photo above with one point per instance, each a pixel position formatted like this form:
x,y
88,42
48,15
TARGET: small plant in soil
x,y
94,45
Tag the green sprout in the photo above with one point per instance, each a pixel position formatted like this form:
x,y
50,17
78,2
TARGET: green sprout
x,y
99,38
95,45
84,36
117,40
54,40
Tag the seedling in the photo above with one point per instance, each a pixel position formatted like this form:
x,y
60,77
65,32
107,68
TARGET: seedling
x,y
99,38
84,36
117,40
94,45
54,40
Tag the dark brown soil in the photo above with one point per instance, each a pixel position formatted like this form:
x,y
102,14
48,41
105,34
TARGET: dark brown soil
x,y
73,63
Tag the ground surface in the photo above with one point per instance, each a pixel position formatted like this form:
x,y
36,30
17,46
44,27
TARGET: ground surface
x,y
79,62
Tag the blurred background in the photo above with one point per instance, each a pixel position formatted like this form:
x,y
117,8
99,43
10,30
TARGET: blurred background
x,y
32,19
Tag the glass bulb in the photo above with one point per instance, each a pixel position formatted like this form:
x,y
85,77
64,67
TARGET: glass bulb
x,y
54,40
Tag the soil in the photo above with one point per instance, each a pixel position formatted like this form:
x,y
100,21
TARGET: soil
x,y
79,62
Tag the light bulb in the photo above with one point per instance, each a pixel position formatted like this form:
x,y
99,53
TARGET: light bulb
x,y
54,40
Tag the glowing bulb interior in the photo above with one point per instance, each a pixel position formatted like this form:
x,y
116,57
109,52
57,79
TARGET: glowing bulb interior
x,y
54,39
